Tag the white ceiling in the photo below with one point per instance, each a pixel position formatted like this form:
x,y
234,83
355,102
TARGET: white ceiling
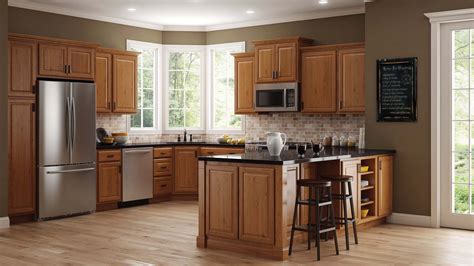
x,y
198,15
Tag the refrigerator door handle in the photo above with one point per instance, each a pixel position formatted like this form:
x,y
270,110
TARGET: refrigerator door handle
x,y
73,123
68,123
70,171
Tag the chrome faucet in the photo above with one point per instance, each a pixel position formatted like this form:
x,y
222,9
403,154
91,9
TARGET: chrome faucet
x,y
185,135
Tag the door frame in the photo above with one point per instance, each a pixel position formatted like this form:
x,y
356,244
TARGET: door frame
x,y
437,19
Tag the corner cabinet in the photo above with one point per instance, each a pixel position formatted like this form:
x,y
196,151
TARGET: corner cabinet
x,y
116,81
186,170
21,156
244,83
278,60
333,78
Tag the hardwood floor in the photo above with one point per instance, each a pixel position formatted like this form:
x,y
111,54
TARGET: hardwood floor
x,y
165,233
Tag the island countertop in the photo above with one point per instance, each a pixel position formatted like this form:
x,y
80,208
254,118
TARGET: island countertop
x,y
291,156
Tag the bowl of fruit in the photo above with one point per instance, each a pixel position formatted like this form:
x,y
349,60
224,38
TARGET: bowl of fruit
x,y
228,140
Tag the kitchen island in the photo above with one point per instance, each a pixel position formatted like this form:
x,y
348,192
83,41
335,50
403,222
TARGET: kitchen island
x,y
246,201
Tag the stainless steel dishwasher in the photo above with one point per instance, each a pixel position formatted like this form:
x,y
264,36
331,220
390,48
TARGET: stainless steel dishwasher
x,y
137,179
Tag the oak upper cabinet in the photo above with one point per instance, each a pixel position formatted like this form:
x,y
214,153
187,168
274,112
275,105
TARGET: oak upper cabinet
x,y
21,156
385,185
109,176
57,59
222,201
244,81
22,65
257,204
278,60
318,81
116,81
186,170
351,79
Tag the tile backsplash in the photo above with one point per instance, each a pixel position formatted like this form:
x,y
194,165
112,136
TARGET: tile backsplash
x,y
298,126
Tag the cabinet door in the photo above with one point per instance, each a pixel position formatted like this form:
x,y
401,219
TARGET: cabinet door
x,y
162,167
109,182
103,82
265,63
186,170
222,201
352,168
318,85
286,62
244,84
21,156
52,60
22,64
257,205
385,185
81,62
125,84
351,68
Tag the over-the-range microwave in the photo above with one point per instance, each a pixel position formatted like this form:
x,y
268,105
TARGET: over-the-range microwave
x,y
277,97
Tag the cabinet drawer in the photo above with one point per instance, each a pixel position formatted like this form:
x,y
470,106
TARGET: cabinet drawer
x,y
163,152
162,167
161,187
109,156
220,151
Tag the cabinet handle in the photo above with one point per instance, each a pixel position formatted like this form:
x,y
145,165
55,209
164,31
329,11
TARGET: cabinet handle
x,y
65,69
380,165
302,105
277,73
110,156
162,153
69,69
163,167
163,185
340,104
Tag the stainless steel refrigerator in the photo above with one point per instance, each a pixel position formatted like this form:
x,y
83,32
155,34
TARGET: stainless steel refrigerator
x,y
66,148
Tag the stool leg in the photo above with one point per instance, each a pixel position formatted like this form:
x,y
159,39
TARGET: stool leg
x,y
309,217
318,226
327,213
353,214
333,224
294,219
344,203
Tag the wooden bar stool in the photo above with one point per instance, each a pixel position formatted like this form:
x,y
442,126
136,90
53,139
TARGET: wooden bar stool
x,y
345,180
320,189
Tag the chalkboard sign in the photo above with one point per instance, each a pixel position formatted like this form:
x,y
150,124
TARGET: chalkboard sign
x,y
396,90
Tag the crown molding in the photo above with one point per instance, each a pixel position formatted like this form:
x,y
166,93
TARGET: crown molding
x,y
68,12
451,15
291,18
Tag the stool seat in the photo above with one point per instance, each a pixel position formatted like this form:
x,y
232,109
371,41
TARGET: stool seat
x,y
338,178
313,183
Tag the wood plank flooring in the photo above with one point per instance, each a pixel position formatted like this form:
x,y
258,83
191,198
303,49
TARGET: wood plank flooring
x,y
165,234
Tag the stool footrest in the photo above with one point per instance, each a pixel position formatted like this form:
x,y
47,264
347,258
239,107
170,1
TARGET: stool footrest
x,y
341,196
313,202
312,227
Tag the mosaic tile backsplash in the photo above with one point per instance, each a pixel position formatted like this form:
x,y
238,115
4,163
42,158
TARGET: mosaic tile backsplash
x,y
298,126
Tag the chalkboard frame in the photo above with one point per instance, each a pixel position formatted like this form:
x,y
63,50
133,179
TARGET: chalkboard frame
x,y
413,62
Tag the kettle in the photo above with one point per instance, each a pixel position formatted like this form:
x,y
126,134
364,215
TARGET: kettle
x,y
275,142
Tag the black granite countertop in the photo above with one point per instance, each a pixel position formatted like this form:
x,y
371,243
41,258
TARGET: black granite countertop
x,y
291,156
165,144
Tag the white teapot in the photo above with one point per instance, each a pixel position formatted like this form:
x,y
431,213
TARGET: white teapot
x,y
275,142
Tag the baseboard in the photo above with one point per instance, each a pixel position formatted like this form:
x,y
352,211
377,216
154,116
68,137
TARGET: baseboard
x,y
409,219
4,222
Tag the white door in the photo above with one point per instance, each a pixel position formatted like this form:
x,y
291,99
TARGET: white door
x,y
457,125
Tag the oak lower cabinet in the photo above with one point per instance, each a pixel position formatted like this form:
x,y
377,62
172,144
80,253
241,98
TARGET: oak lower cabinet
x,y
21,156
186,170
163,171
351,168
109,177
22,65
385,185
116,81
244,81
222,201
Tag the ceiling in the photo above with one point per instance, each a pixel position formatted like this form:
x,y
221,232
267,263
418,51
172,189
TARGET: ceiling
x,y
195,15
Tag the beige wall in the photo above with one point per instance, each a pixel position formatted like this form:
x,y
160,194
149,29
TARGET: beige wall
x,y
184,37
324,31
52,25
3,108
400,29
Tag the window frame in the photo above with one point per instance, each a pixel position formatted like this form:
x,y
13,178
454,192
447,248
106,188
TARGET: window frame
x,y
158,100
168,49
210,128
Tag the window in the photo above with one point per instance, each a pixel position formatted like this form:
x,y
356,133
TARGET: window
x,y
221,88
184,88
147,98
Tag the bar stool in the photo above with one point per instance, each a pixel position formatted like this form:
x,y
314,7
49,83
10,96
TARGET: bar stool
x,y
344,180
320,188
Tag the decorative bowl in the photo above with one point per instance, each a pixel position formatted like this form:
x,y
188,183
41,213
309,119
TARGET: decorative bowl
x,y
364,213
364,168
121,139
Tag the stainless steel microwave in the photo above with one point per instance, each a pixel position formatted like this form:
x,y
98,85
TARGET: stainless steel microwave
x,y
277,97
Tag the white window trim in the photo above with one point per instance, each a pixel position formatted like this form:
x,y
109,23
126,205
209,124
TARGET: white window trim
x,y
437,19
180,48
210,89
158,90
